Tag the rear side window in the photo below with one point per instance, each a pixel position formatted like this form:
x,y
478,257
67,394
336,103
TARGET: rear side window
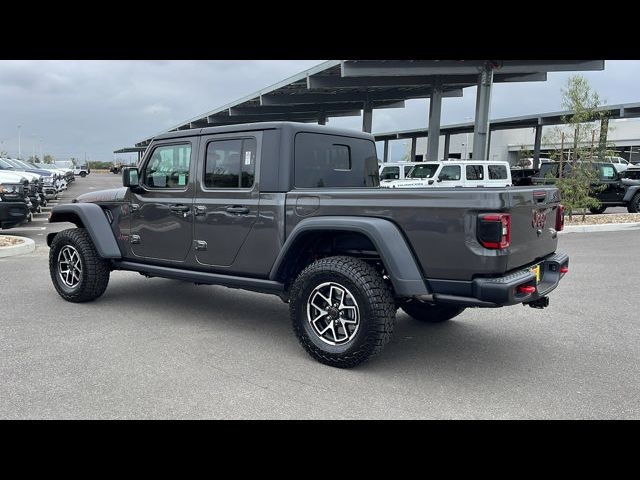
x,y
334,161
497,172
450,173
230,163
475,172
390,173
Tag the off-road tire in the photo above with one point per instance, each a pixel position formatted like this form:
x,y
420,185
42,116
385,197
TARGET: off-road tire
x,y
83,174
374,299
598,210
95,270
430,313
634,204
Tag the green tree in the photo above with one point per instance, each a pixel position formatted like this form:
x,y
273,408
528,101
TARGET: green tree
x,y
48,159
74,162
579,142
523,154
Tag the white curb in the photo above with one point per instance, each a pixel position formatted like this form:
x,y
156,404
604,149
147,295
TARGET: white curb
x,y
27,246
603,227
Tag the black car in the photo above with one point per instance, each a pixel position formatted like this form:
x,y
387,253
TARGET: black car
x,y
610,188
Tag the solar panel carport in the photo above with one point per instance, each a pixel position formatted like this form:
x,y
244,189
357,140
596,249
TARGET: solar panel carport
x,y
357,87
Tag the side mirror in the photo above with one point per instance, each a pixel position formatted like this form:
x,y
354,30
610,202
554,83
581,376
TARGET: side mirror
x,y
431,182
130,178
439,179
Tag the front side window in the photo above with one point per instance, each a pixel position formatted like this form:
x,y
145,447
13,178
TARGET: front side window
x,y
168,167
450,173
230,163
475,172
390,173
497,172
423,171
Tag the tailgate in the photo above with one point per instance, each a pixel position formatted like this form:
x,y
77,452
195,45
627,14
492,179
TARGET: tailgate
x,y
533,221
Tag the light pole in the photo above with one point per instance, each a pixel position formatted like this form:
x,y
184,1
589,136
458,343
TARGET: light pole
x,y
33,144
466,150
19,143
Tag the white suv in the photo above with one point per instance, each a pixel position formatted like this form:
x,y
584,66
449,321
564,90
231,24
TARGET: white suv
x,y
467,173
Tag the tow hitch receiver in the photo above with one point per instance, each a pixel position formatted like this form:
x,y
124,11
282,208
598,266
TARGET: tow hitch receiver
x,y
541,303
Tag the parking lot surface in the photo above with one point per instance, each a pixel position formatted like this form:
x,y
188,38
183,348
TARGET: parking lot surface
x,y
155,348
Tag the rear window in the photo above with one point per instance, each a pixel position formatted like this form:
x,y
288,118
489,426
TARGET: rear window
x,y
497,172
333,161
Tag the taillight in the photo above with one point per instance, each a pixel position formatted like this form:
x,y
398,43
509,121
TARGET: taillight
x,y
560,218
494,230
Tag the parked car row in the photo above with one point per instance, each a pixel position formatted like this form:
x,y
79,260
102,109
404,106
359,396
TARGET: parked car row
x,y
451,173
26,187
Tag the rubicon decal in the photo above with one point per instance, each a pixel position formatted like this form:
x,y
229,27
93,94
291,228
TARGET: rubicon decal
x,y
539,218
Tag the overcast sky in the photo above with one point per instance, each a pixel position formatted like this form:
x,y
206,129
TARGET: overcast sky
x,y
94,107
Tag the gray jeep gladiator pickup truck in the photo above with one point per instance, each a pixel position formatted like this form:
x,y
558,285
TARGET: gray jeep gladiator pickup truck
x,y
296,210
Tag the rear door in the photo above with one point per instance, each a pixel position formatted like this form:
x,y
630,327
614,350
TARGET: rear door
x,y
474,175
227,197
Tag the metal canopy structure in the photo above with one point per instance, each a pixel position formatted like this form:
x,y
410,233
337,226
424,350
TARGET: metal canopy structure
x,y
356,87
537,121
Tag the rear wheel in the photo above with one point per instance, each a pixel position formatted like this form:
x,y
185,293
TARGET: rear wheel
x,y
429,312
83,174
634,204
78,273
598,210
342,311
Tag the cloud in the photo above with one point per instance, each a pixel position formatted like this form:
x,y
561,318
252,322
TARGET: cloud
x,y
99,106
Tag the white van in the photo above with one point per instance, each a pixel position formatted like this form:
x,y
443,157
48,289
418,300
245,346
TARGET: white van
x,y
455,173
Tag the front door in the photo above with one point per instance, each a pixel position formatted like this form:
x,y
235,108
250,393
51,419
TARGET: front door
x,y
612,189
227,197
161,214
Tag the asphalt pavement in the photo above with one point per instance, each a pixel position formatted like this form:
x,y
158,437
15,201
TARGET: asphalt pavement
x,y
156,348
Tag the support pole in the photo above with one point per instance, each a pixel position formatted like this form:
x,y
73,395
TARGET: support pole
x,y
322,119
536,146
367,117
447,145
435,111
414,141
483,102
385,159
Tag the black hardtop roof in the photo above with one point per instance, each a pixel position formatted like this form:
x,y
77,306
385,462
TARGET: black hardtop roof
x,y
291,127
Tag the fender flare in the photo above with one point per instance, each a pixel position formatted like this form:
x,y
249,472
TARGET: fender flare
x,y
398,259
631,191
92,218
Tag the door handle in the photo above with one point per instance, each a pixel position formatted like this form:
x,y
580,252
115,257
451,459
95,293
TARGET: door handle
x,y
238,210
179,208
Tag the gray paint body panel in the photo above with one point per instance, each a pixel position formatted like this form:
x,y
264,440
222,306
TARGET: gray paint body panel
x,y
386,237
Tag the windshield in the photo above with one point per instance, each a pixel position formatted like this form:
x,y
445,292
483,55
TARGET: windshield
x,y
5,164
22,164
423,171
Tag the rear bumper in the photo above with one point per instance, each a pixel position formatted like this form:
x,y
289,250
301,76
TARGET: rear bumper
x,y
503,291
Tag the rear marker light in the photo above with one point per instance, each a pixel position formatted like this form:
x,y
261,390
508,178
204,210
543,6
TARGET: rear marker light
x,y
564,269
494,230
560,218
529,289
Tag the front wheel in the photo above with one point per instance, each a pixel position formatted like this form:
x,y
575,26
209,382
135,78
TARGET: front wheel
x,y
429,312
634,204
342,311
83,174
78,273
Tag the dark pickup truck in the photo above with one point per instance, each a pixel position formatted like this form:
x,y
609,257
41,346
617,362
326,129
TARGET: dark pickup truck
x,y
296,210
